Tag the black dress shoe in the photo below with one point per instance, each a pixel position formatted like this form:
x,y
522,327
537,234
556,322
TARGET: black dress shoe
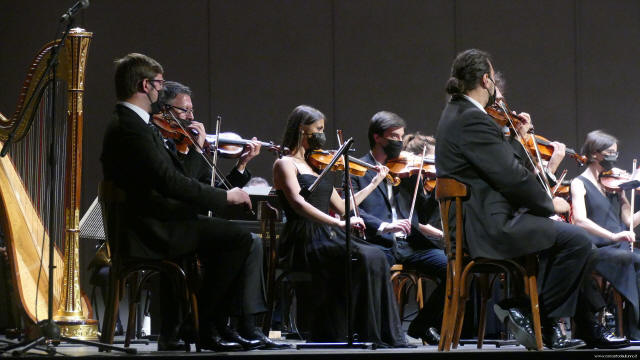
x,y
171,344
553,338
230,334
597,336
267,344
430,337
518,324
216,343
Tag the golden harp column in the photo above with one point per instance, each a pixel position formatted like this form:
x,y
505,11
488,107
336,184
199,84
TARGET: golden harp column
x,y
70,315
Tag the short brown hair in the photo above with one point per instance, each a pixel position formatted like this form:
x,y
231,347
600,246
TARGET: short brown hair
x,y
415,142
131,70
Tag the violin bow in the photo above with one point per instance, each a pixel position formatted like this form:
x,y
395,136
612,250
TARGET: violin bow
x,y
356,211
540,171
415,190
633,200
225,181
559,183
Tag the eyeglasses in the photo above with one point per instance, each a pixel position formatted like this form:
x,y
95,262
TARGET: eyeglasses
x,y
186,111
157,80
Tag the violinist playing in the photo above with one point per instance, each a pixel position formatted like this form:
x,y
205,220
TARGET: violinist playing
x,y
314,241
404,240
506,215
605,213
524,126
177,98
250,302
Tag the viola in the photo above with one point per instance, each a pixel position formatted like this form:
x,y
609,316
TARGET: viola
x,y
408,164
320,159
616,180
544,147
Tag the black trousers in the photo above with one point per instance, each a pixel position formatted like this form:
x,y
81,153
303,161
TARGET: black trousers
x,y
564,278
223,249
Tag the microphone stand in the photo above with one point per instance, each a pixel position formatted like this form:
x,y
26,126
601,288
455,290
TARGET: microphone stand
x,y
48,330
351,343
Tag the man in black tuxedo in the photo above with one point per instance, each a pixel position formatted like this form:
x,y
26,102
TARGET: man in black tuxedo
x,y
507,212
162,218
176,98
386,215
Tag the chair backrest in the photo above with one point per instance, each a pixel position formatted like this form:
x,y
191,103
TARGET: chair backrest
x,y
112,200
447,191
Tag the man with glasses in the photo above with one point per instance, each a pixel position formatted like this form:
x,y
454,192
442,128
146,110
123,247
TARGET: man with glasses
x,y
161,219
251,299
404,240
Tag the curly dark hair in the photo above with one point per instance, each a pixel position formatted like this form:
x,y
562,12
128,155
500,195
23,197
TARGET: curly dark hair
x,y
467,71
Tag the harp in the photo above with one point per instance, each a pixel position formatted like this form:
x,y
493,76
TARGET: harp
x,y
24,190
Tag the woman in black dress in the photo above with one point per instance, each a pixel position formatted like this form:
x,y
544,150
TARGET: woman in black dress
x,y
607,216
315,241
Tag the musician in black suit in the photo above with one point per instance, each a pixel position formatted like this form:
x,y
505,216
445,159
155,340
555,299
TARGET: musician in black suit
x,y
176,98
386,214
507,213
162,218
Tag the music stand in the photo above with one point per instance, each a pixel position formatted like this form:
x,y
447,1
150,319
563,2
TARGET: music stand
x,y
350,344
49,331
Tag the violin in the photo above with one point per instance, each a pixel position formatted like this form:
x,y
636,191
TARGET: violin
x,y
615,180
544,147
320,159
408,164
182,136
231,145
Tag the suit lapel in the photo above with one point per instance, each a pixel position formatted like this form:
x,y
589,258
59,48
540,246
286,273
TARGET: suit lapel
x,y
382,187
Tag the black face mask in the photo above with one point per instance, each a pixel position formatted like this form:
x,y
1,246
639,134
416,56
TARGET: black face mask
x,y
392,149
492,97
316,140
608,162
156,106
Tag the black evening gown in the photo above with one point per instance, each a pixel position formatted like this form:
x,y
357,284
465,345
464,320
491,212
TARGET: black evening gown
x,y
614,261
320,249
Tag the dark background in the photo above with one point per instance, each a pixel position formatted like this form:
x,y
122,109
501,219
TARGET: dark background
x,y
573,65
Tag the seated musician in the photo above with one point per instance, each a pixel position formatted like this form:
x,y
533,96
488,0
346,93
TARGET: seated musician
x,y
430,211
507,213
386,214
177,98
605,213
314,241
161,220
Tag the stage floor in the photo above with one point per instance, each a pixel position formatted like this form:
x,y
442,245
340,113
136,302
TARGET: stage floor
x,y
468,351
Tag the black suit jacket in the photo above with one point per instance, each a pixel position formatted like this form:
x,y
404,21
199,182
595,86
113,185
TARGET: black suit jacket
x,y
376,209
162,200
471,148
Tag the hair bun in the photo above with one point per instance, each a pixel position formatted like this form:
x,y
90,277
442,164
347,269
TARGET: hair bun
x,y
453,86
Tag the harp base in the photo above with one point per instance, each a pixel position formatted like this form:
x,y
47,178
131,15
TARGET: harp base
x,y
83,329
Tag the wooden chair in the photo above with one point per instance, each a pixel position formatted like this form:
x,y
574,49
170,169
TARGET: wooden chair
x,y
127,269
403,281
269,216
460,267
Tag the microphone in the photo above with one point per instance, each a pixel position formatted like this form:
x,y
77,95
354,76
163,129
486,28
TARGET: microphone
x,y
79,5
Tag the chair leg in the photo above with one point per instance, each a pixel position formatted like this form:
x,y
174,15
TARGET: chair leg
x,y
483,285
111,310
196,321
617,298
419,295
453,312
462,304
532,285
133,302
447,320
